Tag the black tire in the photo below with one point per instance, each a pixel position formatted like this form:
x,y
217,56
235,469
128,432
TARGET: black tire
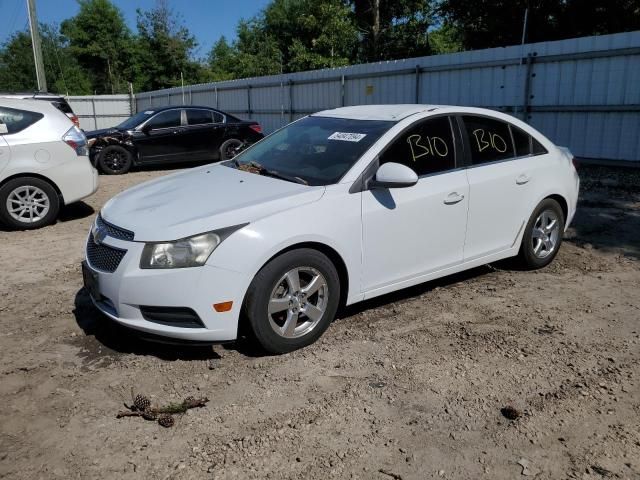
x,y
228,147
268,281
44,194
527,257
115,160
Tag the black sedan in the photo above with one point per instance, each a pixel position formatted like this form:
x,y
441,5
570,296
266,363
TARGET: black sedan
x,y
169,135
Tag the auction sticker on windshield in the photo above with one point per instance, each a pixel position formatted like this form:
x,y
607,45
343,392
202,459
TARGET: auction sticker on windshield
x,y
347,137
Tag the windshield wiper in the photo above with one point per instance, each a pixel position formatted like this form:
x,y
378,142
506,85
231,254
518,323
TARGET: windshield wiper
x,y
275,174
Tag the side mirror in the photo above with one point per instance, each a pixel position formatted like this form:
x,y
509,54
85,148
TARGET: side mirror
x,y
394,175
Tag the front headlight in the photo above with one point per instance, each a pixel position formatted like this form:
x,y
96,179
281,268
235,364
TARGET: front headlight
x,y
187,252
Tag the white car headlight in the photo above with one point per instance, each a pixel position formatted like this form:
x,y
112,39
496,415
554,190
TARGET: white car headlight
x,y
187,252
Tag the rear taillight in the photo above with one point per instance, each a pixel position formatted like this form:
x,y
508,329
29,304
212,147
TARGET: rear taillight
x,y
76,139
74,119
256,128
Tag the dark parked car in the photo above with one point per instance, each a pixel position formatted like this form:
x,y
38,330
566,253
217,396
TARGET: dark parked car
x,y
168,135
57,101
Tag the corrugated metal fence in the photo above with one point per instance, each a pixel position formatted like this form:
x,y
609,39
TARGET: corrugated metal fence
x,y
583,92
102,111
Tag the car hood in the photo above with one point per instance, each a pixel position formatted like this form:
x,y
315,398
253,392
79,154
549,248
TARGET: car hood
x,y
202,199
102,132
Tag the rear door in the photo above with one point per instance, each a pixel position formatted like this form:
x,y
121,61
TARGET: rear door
x,y
203,133
160,138
501,179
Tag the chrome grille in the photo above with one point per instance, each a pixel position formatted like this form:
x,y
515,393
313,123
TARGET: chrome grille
x,y
103,257
112,230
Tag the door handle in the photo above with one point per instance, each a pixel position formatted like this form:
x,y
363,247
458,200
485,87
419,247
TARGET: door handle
x,y
522,179
453,197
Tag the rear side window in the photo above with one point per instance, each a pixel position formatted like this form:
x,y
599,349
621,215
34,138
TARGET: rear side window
x,y
170,118
17,120
198,117
218,117
521,141
537,148
489,139
426,148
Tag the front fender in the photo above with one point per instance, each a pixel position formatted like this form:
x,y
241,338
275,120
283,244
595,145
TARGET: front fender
x,y
251,247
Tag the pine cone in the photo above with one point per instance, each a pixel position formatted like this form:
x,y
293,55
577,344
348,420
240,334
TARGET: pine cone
x,y
166,421
141,403
149,415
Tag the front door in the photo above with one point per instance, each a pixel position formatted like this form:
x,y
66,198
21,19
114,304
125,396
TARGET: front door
x,y
414,231
162,138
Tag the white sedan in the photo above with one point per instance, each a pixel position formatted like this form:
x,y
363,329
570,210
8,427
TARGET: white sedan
x,y
44,163
335,208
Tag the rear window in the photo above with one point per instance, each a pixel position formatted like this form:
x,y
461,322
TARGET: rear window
x,y
17,120
198,117
63,106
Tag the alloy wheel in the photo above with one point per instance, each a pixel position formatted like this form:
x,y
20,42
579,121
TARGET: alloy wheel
x,y
545,235
298,302
116,161
28,204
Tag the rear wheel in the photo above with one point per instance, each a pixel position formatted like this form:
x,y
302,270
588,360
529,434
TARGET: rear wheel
x,y
543,235
229,148
292,300
115,160
27,203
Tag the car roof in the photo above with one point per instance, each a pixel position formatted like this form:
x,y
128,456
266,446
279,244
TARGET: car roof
x,y
377,112
27,104
39,95
170,107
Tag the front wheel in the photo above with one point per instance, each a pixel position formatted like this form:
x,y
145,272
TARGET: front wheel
x,y
292,300
115,160
543,235
27,203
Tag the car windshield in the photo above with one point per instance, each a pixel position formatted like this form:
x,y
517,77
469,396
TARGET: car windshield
x,y
313,151
137,119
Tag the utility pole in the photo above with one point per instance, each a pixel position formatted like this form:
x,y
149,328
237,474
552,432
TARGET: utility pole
x,y
37,50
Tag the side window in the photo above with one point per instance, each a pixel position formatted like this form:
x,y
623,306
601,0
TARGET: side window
x,y
489,139
537,148
522,141
198,117
426,148
218,117
15,120
170,118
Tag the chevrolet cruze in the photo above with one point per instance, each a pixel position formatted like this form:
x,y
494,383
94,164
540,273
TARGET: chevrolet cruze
x,y
337,207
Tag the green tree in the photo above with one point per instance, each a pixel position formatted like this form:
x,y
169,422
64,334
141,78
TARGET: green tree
x,y
101,42
499,23
17,71
165,48
447,38
222,60
391,29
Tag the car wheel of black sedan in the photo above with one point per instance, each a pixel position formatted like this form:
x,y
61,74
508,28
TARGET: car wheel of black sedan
x,y
229,148
115,160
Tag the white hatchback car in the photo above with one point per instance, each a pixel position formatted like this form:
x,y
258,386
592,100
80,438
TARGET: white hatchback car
x,y
335,208
44,163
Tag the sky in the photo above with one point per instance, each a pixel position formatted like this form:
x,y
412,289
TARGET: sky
x,y
206,19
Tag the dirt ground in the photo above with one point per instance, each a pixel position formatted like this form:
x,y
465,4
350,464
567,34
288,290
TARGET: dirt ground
x,y
408,386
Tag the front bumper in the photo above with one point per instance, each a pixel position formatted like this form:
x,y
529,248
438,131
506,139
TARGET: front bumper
x,y
122,293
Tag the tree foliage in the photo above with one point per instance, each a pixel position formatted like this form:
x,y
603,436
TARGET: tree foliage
x,y
95,51
496,23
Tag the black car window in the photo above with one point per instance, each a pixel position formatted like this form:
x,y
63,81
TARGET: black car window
x,y
316,150
426,148
198,117
537,148
489,139
522,141
16,120
170,118
63,106
218,117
